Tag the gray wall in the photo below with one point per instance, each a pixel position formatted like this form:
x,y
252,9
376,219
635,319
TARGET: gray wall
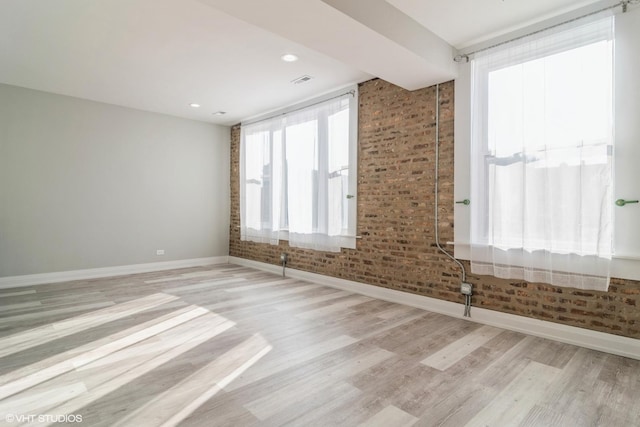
x,y
86,185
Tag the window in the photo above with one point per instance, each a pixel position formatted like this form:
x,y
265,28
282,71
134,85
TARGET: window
x,y
541,157
298,176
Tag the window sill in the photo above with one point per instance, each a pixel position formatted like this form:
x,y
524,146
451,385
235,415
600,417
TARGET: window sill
x,y
623,266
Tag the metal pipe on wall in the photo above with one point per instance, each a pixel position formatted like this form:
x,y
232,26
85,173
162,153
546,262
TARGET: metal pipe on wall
x,y
467,310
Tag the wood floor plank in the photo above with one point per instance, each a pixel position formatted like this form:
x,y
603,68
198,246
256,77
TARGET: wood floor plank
x,y
17,293
395,311
206,285
8,308
335,306
456,351
306,302
267,284
514,402
18,318
540,416
390,416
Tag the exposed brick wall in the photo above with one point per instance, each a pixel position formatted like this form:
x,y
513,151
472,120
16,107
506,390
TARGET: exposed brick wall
x,y
396,153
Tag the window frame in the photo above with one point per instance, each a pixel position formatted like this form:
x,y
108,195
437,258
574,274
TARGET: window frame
x,y
486,151
348,235
625,262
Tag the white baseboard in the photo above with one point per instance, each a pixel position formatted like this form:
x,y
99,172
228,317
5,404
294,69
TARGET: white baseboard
x,y
608,343
93,273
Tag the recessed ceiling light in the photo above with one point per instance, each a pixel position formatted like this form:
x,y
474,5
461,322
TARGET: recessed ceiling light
x,y
219,113
289,57
194,105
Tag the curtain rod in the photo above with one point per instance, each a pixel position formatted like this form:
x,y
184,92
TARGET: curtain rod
x,y
623,4
352,92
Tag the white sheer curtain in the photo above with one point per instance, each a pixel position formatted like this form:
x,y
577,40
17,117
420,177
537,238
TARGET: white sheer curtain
x,y
541,174
294,174
262,183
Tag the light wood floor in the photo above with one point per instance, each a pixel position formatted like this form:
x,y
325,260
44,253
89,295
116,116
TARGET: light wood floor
x,y
228,345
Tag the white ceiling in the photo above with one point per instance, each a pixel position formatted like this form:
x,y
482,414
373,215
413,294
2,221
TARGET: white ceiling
x,y
161,55
464,23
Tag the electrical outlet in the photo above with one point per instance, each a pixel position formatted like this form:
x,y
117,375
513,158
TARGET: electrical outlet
x,y
284,257
160,252
466,288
